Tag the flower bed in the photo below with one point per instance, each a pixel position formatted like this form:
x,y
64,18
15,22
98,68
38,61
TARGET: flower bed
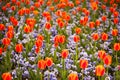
x,y
59,40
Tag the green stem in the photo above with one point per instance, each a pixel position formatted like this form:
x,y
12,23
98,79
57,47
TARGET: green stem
x,y
63,63
116,58
41,76
99,78
76,53
83,75
107,70
55,55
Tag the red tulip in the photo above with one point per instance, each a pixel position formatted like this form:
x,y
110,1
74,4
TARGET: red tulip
x,y
107,60
27,29
101,54
91,24
95,36
49,61
19,48
117,46
104,18
38,43
6,76
1,50
64,53
104,36
73,76
42,64
77,30
6,41
114,32
2,27
10,34
83,63
99,70
76,38
48,26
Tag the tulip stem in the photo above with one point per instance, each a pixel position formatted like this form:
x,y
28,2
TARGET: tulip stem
x,y
76,53
99,78
83,75
41,75
107,70
63,63
116,58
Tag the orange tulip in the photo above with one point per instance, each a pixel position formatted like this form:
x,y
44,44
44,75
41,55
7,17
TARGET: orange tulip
x,y
6,76
61,24
101,54
42,64
40,37
31,22
64,53
18,3
2,27
116,20
37,4
1,50
38,43
107,60
83,63
14,21
85,19
87,12
10,28
104,36
21,12
27,2
13,8
8,5
19,48
4,8
35,12
52,8
32,8
112,9
27,11
56,40
73,76
117,46
114,32
48,26
70,4
95,36
97,23
94,5
61,39
48,18
49,3
27,29
115,13
14,1
10,34
6,41
99,70
77,2
49,61
114,5
76,38
77,30
104,18
37,50
103,7
91,24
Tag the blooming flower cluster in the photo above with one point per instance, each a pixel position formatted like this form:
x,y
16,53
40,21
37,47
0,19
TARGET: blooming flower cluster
x,y
60,40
